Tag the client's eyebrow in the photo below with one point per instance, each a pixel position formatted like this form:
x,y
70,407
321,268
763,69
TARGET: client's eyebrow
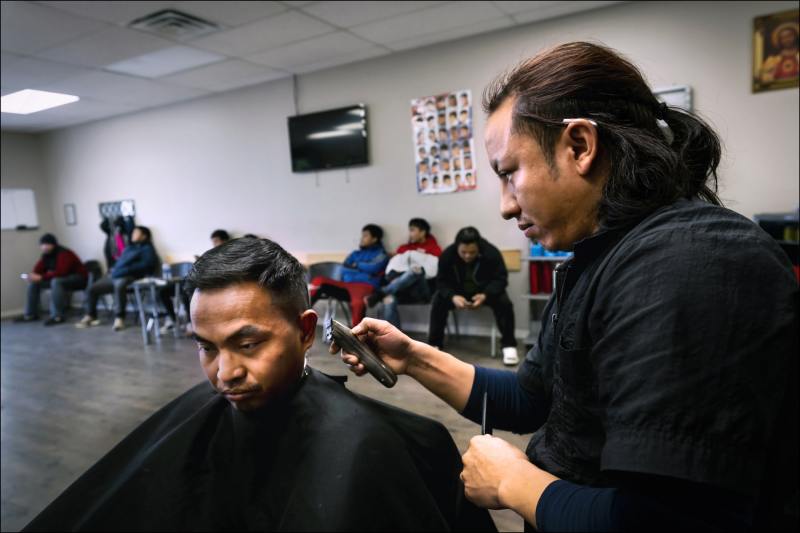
x,y
247,330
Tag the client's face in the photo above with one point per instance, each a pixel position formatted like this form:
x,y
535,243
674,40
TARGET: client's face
x,y
249,349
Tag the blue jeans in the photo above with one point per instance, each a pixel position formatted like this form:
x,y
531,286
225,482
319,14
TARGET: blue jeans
x,y
413,287
59,288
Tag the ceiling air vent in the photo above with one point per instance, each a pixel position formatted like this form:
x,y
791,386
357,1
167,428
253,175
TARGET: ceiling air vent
x,y
174,24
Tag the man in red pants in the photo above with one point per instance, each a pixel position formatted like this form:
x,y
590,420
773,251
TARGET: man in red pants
x,y
362,273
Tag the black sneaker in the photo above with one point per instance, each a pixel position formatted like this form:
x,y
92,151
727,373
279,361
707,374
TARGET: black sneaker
x,y
54,321
26,318
375,297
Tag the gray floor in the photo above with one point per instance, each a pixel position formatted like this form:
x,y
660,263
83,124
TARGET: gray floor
x,y
69,395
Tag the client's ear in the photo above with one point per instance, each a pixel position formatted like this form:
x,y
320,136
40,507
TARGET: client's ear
x,y
308,327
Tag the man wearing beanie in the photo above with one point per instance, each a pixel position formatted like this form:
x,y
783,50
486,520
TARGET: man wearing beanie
x,y
60,270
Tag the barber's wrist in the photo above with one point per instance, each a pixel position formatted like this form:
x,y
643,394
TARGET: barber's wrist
x,y
417,358
522,488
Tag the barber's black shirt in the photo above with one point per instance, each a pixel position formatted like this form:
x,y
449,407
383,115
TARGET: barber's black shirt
x,y
671,350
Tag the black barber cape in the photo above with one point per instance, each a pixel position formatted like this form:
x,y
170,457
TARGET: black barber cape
x,y
324,459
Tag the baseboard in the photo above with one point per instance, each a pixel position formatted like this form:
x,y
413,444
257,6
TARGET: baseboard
x,y
11,312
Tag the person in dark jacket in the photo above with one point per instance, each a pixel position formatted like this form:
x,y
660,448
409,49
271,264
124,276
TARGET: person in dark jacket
x,y
60,270
472,274
366,264
361,274
138,260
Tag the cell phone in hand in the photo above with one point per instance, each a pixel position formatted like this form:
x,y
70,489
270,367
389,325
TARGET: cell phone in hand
x,y
344,338
24,276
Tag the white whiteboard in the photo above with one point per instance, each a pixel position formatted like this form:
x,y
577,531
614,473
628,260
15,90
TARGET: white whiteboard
x,y
18,209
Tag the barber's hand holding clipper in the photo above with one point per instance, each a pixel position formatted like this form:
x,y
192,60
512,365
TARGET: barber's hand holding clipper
x,y
495,472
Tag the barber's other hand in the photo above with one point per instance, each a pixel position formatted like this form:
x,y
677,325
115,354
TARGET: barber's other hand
x,y
478,300
488,463
394,347
34,277
460,302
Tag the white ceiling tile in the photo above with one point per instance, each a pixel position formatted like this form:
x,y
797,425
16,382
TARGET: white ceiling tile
x,y
116,12
311,51
512,7
87,109
557,9
22,123
428,21
106,47
166,61
84,110
7,59
231,13
279,30
374,51
28,28
349,14
464,31
30,72
225,75
125,90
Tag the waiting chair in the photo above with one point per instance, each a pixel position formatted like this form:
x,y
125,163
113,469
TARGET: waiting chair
x,y
330,270
178,273
493,335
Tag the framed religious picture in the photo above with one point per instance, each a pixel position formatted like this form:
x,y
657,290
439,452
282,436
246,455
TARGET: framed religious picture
x,y
776,64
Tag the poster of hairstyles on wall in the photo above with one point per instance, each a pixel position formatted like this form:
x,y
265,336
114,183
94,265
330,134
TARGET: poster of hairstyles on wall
x,y
441,128
776,63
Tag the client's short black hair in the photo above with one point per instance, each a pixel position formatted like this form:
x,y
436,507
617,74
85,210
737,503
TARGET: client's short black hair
x,y
374,230
420,224
253,260
221,234
468,235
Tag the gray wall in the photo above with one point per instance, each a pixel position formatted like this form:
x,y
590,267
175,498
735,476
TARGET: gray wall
x,y
22,168
223,161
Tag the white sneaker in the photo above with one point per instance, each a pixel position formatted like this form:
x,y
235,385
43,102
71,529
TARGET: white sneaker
x,y
168,326
87,322
510,356
118,324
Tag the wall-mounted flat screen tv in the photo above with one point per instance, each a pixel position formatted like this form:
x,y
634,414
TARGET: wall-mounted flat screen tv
x,y
329,139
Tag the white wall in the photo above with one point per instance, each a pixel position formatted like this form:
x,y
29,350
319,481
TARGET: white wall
x,y
22,168
223,161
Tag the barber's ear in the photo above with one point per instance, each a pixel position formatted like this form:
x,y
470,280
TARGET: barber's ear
x,y
582,140
308,327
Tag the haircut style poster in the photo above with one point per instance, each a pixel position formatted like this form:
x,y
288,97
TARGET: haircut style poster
x,y
442,129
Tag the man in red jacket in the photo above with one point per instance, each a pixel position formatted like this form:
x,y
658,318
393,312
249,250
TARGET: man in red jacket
x,y
408,274
60,270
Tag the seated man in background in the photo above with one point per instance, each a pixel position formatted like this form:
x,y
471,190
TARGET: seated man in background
x,y
60,270
408,272
166,293
219,236
362,274
472,273
138,260
268,443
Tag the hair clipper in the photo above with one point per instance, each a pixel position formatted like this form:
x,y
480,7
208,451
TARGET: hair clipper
x,y
344,338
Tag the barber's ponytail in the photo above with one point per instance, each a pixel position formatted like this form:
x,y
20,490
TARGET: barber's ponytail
x,y
699,153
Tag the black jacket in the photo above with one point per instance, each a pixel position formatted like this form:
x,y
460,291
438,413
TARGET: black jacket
x,y
490,274
321,459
